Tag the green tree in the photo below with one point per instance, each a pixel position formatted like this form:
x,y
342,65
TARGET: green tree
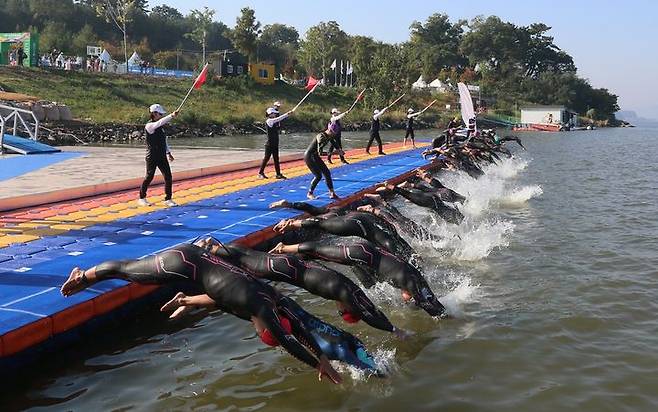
x,y
202,21
278,43
165,12
434,45
324,43
361,52
246,32
55,35
85,37
120,13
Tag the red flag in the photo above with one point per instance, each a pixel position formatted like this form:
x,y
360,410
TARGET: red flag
x,y
202,77
311,83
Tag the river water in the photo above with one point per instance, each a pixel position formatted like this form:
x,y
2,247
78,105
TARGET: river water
x,y
551,282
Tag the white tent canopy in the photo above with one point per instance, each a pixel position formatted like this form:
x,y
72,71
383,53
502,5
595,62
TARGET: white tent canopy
x,y
134,60
419,84
105,56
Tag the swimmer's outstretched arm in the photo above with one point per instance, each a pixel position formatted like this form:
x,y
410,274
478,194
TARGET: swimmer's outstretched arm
x,y
301,206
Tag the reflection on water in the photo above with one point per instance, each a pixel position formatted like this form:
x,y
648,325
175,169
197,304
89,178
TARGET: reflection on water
x,y
551,282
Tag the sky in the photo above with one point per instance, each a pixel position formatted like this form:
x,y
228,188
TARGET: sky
x,y
613,43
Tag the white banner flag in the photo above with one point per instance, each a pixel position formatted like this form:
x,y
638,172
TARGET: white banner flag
x,y
333,65
350,69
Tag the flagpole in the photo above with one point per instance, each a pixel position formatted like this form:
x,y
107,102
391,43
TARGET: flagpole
x,y
190,91
335,73
357,99
395,101
307,94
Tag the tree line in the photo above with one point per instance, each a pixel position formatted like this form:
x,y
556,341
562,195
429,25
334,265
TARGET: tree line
x,y
511,63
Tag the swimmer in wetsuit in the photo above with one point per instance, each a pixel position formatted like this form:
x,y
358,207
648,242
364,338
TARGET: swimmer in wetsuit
x,y
316,165
373,264
428,200
369,203
363,225
431,184
317,279
230,288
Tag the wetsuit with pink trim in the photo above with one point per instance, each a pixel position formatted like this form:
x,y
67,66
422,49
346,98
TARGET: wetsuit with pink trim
x,y
234,291
375,264
366,226
317,279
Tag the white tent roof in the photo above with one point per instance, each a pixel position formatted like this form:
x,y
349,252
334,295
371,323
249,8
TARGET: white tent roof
x,y
436,83
60,58
134,59
105,56
419,84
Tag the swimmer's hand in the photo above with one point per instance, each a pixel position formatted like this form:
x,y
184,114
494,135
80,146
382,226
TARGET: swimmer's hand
x,y
325,369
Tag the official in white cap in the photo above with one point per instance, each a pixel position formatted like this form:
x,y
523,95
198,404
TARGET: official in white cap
x,y
410,127
158,154
374,131
273,124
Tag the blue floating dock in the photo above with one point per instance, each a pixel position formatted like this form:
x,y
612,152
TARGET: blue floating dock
x,y
23,146
32,273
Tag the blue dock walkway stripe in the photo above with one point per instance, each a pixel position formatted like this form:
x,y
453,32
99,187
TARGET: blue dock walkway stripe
x,y
31,273
20,165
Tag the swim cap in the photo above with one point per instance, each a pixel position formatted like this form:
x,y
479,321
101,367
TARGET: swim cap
x,y
350,317
269,339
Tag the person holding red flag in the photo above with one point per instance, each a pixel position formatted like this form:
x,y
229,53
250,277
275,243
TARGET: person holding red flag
x,y
158,154
273,124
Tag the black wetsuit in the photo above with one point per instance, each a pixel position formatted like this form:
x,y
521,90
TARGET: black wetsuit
x,y
436,187
272,148
410,129
374,136
234,291
366,226
317,279
315,163
431,201
372,261
156,157
387,212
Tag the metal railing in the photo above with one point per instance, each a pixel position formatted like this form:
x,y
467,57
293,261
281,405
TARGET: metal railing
x,y
18,116
2,135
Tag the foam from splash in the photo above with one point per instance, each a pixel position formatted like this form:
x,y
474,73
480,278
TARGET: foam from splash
x,y
519,196
461,293
384,361
477,241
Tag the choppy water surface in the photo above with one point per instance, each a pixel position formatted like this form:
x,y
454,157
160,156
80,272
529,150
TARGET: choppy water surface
x,y
551,281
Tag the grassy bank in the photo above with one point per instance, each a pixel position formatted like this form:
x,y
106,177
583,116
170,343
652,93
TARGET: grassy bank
x,y
104,98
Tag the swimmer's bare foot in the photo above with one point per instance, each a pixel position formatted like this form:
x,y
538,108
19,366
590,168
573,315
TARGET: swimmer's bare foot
x,y
76,282
282,225
279,204
278,248
181,311
174,303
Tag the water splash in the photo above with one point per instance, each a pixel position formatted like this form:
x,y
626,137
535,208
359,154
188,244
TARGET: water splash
x,y
519,196
384,361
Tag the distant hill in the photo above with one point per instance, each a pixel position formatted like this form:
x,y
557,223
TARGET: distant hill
x,y
631,117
